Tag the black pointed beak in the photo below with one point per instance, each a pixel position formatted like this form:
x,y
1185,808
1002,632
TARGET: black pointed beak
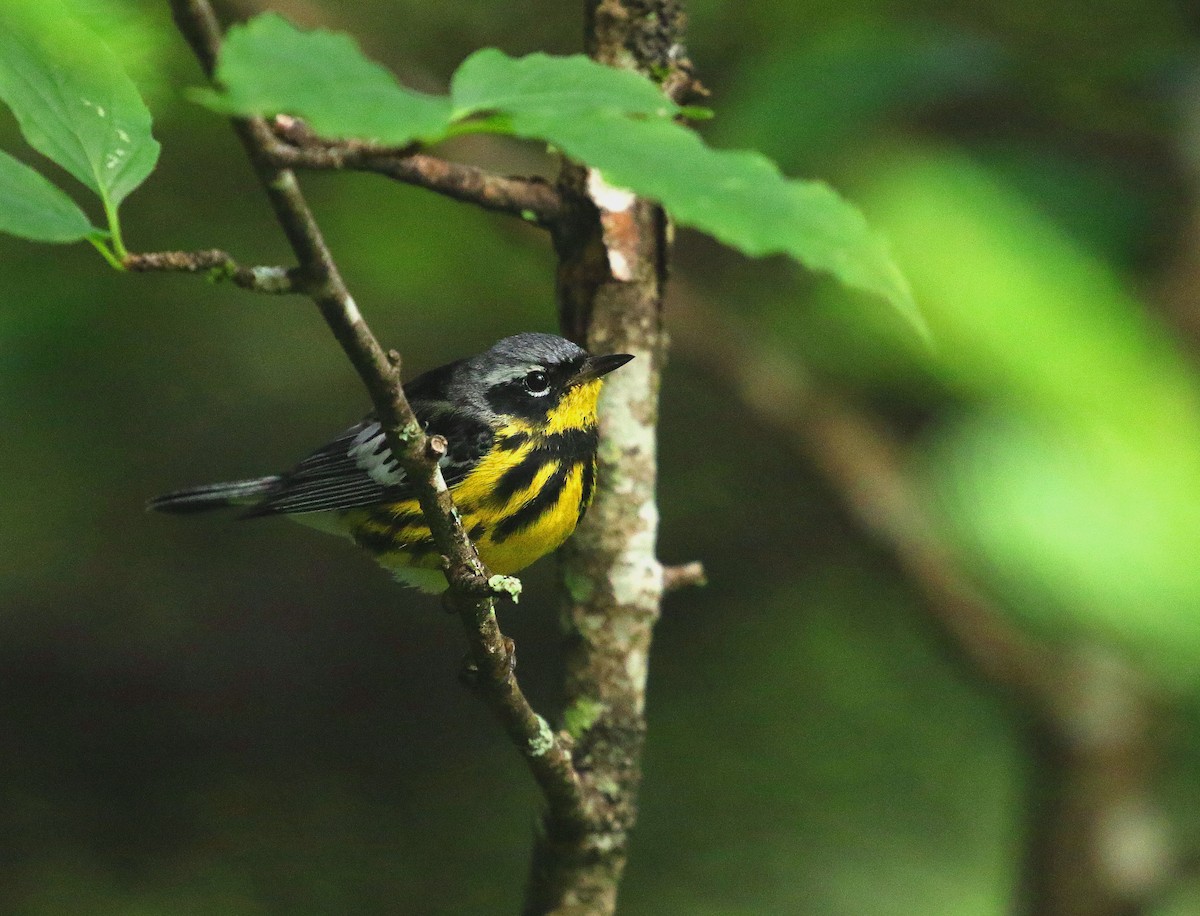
x,y
595,367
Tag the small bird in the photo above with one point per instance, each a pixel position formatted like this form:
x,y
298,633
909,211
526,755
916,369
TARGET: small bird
x,y
519,420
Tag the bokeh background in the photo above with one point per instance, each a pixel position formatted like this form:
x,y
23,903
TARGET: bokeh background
x,y
208,716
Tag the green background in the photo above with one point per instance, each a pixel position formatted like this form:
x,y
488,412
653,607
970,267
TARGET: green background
x,y
209,716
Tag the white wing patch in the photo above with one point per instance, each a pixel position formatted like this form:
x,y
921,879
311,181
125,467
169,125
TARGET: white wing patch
x,y
370,452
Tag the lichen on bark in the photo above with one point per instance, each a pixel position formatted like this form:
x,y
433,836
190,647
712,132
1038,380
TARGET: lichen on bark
x,y
612,250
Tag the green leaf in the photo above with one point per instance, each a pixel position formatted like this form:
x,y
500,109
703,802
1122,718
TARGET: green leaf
x,y
738,197
614,120
32,208
1070,478
490,80
269,67
73,101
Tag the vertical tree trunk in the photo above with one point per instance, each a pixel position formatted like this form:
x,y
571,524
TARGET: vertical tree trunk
x,y
612,250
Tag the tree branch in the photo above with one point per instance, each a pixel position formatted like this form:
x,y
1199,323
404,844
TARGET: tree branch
x,y
220,265
612,250
532,199
689,575
858,459
470,590
1097,845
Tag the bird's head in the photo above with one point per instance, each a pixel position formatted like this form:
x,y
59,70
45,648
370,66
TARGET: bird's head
x,y
539,381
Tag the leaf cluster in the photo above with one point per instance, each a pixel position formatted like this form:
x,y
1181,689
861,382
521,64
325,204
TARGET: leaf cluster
x,y
77,107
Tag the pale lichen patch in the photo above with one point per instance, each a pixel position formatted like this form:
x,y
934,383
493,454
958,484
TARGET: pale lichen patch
x,y
409,432
271,279
637,669
636,580
607,197
540,743
626,425
506,585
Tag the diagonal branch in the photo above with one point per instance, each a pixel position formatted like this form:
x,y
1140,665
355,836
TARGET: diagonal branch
x,y
532,199
470,589
1090,723
859,460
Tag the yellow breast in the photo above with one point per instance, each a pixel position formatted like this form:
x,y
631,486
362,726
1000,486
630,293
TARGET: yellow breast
x,y
534,522
520,502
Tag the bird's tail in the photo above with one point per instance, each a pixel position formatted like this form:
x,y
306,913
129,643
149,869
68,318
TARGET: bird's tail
x,y
213,496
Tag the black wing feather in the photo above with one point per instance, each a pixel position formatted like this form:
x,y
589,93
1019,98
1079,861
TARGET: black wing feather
x,y
357,468
331,478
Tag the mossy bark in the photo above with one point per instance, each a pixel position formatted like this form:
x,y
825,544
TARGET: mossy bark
x,y
612,250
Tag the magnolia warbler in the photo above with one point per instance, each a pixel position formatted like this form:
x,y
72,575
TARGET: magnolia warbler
x,y
519,420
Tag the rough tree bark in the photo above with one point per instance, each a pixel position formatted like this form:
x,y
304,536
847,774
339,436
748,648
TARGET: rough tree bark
x,y
612,251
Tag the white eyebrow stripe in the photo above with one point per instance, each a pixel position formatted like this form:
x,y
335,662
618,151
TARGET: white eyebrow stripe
x,y
510,374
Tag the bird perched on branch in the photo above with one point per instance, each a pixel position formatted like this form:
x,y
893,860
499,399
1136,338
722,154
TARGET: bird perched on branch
x,y
519,420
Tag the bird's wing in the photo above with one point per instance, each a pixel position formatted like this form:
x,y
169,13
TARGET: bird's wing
x,y
358,469
355,469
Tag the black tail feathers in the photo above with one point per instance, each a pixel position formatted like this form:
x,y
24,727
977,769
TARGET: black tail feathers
x,y
212,496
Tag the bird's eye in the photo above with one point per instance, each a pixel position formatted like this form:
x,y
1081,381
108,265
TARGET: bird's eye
x,y
536,383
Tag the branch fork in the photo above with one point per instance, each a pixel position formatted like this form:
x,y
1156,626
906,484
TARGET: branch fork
x,y
589,774
470,584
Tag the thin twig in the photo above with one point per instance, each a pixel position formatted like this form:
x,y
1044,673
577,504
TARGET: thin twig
x,y
533,199
547,757
220,265
687,575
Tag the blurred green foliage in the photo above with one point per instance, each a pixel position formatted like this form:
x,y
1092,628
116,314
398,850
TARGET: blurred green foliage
x,y
1075,475
217,717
